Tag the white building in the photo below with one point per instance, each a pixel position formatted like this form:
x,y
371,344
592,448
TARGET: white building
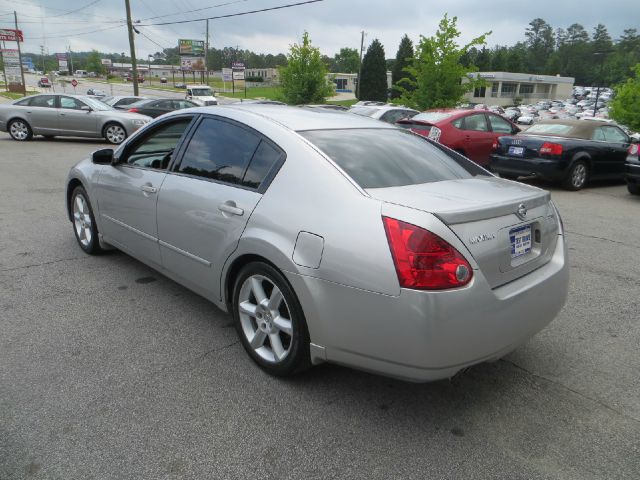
x,y
502,88
347,82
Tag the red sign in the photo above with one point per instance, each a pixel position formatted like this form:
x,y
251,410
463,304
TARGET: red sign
x,y
74,83
10,35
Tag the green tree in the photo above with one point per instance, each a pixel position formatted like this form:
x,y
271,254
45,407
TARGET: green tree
x,y
347,61
437,70
373,84
404,57
540,43
304,79
93,62
601,39
625,107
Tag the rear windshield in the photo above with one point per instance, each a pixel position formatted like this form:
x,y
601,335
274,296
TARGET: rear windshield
x,y
380,158
364,111
550,129
432,117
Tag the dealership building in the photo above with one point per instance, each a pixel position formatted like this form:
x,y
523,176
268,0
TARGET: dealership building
x,y
502,88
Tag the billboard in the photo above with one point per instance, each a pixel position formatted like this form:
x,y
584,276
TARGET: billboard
x,y
62,61
192,64
10,35
106,62
227,74
194,48
12,67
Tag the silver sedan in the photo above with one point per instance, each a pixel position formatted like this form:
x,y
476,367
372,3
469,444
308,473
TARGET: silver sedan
x,y
330,237
67,115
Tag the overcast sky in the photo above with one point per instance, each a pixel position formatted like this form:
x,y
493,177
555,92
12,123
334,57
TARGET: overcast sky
x,y
332,24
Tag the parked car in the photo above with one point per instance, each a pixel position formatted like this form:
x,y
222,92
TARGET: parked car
x,y
417,265
121,102
96,92
382,111
44,83
129,78
632,170
570,152
67,116
163,80
159,106
469,132
201,95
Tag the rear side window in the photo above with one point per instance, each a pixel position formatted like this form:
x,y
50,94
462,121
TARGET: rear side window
x,y
263,162
43,101
380,158
219,151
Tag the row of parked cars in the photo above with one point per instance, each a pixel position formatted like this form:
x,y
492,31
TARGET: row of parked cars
x,y
563,150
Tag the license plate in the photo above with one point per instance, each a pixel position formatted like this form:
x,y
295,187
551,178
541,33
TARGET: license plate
x,y
516,151
520,241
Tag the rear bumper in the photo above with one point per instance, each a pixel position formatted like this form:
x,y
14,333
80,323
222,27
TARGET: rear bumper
x,y
546,168
423,336
632,173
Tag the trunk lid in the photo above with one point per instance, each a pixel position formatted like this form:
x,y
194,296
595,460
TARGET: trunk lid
x,y
486,214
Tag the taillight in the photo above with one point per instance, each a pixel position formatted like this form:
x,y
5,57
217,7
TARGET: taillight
x,y
423,260
633,149
549,148
494,145
133,110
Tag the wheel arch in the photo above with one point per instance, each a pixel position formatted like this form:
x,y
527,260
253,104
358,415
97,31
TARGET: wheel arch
x,y
71,186
581,156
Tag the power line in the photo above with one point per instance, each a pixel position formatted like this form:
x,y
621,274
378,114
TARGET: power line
x,y
75,10
150,39
191,11
280,7
74,34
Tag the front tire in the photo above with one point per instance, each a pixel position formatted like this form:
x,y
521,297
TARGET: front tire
x,y
20,130
114,133
84,223
577,176
634,189
269,320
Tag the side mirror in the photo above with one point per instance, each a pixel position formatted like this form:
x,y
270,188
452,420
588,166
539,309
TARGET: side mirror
x,y
86,108
102,157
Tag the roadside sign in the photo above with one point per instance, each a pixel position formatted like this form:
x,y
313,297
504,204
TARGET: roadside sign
x,y
227,75
106,61
238,65
238,75
11,35
74,83
191,47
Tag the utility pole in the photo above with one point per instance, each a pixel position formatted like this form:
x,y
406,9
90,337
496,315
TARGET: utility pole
x,y
70,60
24,84
360,67
206,53
4,73
132,46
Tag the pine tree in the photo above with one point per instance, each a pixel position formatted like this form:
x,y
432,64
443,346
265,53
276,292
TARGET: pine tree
x,y
404,57
373,84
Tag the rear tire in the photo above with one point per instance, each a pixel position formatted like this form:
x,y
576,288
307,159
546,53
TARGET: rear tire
x,y
20,130
577,176
634,189
269,320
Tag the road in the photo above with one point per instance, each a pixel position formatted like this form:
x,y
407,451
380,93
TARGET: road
x,y
108,370
85,84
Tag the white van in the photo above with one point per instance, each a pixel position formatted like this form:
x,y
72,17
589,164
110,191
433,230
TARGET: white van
x,y
80,73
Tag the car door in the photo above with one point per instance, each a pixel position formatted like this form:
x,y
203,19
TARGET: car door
x,y
478,139
500,126
162,106
618,144
127,192
207,199
600,153
72,120
42,114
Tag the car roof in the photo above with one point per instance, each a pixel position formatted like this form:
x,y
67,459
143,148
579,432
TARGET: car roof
x,y
299,119
580,128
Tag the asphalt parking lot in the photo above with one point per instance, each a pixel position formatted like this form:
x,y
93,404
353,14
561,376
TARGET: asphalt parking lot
x,y
108,370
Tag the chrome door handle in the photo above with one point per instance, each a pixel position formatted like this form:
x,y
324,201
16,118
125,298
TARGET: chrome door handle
x,y
231,208
149,189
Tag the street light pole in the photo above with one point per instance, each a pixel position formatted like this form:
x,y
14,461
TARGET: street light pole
x,y
132,46
602,55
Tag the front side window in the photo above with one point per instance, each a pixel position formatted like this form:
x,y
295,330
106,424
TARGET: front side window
x,y
219,151
71,103
380,158
154,150
476,123
598,135
615,135
48,101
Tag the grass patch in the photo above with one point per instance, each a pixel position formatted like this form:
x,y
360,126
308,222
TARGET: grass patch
x,y
16,96
270,93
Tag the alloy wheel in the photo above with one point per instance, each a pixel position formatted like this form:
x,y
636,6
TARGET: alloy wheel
x,y
19,130
82,220
115,134
579,175
265,318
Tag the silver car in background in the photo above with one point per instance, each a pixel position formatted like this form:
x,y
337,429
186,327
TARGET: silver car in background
x,y
52,115
330,237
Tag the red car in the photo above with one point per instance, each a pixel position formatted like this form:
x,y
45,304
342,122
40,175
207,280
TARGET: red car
x,y
470,132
